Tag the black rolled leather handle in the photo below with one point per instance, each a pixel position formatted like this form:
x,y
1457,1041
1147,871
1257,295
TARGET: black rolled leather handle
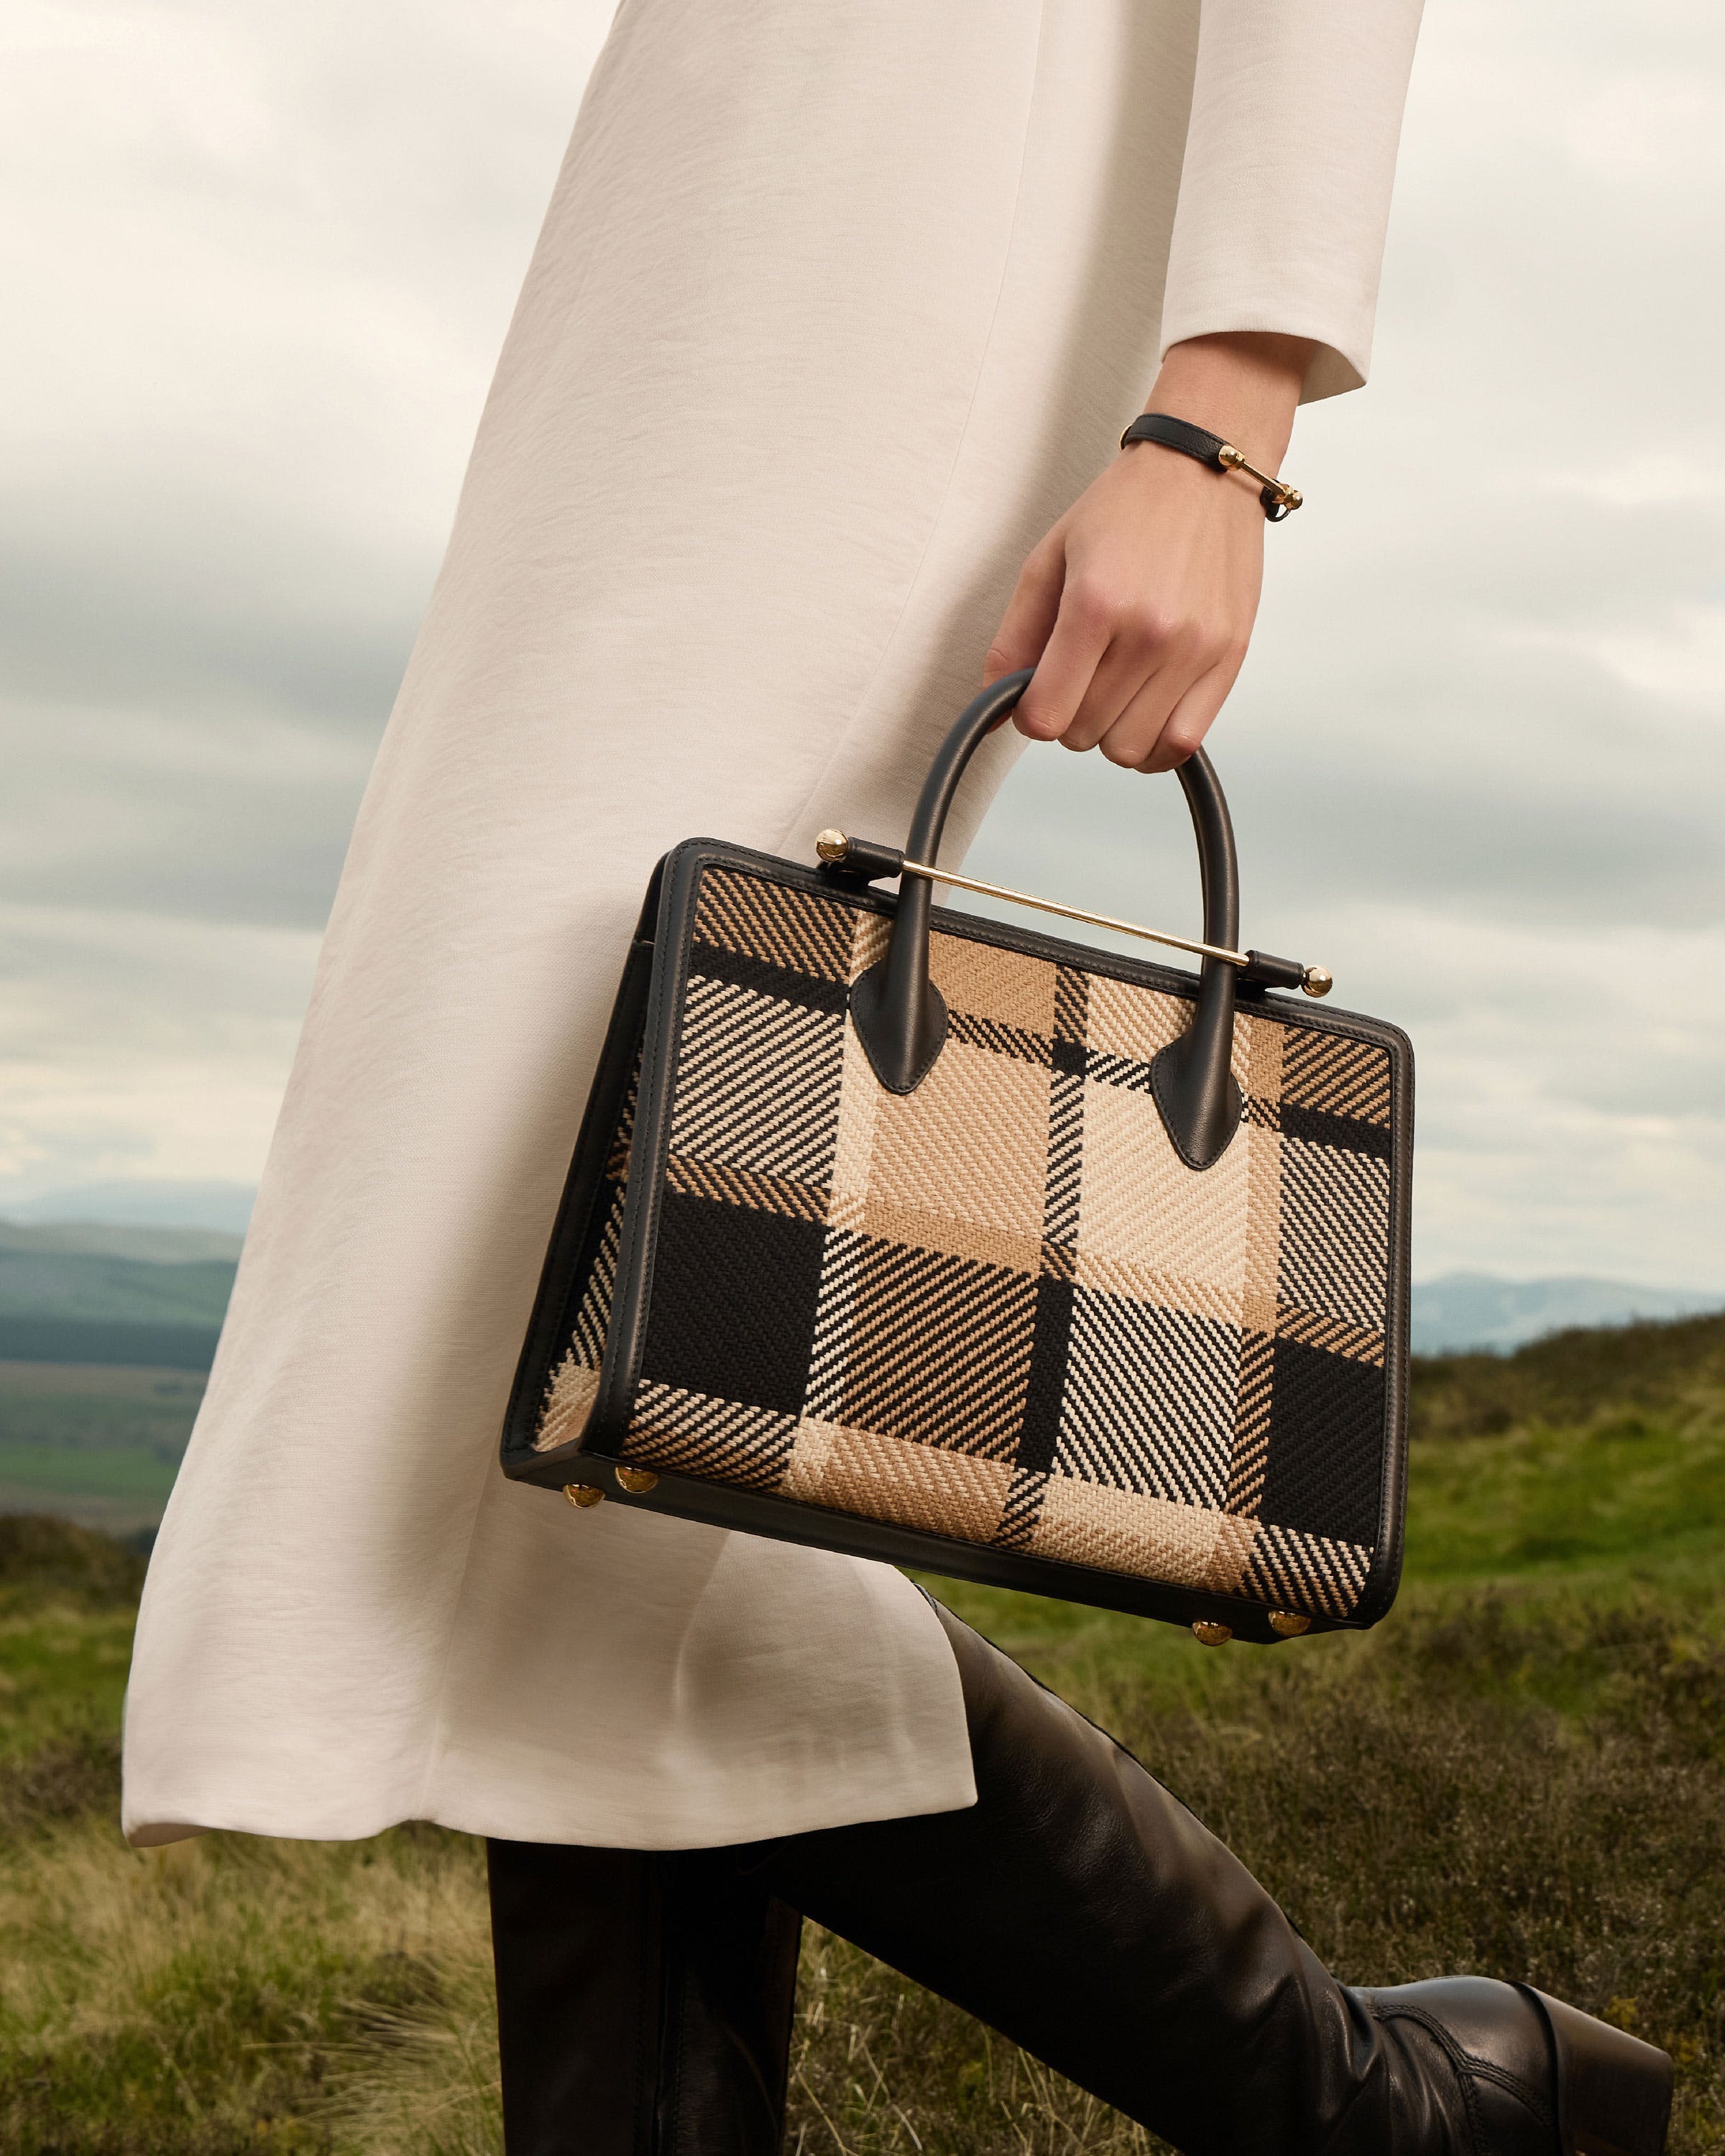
x,y
901,1016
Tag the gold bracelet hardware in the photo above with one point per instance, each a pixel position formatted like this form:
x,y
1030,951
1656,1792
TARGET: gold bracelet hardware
x,y
832,846
1289,497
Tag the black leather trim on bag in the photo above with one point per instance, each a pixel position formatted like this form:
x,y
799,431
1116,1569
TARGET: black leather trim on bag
x,y
783,1519
649,1145
576,1226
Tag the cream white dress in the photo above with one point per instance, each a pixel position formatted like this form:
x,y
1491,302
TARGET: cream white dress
x,y
838,305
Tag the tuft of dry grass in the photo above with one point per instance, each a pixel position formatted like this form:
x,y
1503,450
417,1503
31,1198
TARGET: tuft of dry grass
x,y
209,1998
882,2068
423,2080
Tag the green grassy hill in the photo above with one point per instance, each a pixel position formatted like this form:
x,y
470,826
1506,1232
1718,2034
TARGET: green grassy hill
x,y
1520,1772
72,1306
105,1331
99,1445
80,1287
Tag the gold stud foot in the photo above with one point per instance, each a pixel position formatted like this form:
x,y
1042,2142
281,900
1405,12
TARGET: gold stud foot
x,y
583,1494
1212,1636
1286,1625
638,1481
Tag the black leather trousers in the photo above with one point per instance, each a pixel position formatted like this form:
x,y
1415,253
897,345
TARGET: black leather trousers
x,y
645,1998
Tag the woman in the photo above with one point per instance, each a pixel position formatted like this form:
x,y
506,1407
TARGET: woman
x,y
838,312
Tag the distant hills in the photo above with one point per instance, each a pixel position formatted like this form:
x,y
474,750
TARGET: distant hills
x,y
114,1293
1611,1376
226,1207
1459,1311
152,1290
122,1238
119,1275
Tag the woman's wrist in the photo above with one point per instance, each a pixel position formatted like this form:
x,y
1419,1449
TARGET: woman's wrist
x,y
1244,385
1135,610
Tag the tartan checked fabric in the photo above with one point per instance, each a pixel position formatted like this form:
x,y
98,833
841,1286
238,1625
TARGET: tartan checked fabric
x,y
1000,1308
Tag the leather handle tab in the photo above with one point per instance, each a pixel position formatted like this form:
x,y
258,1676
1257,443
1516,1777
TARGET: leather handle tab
x,y
864,862
1264,970
901,1016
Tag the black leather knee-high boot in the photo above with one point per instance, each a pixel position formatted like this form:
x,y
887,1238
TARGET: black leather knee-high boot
x,y
1085,1913
644,2002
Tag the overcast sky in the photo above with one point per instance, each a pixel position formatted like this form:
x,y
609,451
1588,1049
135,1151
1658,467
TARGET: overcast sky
x,y
258,262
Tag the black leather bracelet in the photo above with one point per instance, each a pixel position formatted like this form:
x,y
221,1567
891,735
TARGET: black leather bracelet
x,y
1279,500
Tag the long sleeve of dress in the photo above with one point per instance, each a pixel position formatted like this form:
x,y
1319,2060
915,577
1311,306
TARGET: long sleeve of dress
x,y
1296,113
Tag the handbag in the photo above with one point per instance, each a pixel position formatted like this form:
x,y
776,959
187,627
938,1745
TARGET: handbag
x,y
939,1241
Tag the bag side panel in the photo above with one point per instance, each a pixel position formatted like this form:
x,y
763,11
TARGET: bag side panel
x,y
567,1400
566,1334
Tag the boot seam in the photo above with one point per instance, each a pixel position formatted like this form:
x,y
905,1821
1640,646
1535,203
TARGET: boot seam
x,y
1454,2057
1469,2068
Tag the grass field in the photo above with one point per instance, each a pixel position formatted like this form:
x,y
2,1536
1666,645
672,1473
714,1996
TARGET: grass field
x,y
99,1444
1521,1772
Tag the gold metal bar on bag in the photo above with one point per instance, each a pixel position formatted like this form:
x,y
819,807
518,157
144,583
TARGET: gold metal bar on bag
x,y
1075,913
834,847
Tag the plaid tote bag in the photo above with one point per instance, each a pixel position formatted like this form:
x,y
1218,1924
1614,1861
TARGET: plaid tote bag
x,y
931,1240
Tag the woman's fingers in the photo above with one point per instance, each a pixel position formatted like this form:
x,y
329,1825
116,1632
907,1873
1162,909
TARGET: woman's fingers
x,y
1147,669
1123,680
1075,648
1031,612
1114,648
1105,646
1182,730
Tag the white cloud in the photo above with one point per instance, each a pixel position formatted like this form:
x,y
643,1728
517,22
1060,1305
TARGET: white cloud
x,y
139,1044
258,264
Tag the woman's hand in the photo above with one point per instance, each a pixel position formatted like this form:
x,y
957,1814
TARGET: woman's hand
x,y
1137,608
